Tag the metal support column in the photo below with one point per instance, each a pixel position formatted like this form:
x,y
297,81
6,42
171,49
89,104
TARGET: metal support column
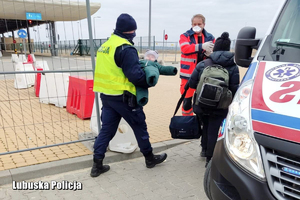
x,y
88,12
29,44
13,37
149,35
53,41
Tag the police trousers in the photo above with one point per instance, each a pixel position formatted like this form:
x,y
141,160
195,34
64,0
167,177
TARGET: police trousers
x,y
113,109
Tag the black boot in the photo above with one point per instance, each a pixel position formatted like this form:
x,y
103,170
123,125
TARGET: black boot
x,y
203,153
98,168
208,158
153,160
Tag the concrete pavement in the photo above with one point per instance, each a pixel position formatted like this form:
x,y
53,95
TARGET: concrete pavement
x,y
179,177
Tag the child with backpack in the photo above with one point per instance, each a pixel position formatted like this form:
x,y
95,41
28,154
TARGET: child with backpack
x,y
216,80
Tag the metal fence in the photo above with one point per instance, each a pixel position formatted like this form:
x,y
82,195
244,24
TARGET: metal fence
x,y
73,47
168,51
41,115
37,128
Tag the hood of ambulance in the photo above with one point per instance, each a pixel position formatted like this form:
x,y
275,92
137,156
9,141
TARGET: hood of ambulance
x,y
275,99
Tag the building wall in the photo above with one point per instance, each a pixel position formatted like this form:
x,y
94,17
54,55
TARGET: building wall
x,y
7,43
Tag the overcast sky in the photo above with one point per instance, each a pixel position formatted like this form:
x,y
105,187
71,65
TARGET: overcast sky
x,y
174,16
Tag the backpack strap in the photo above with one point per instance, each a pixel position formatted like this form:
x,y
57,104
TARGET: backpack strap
x,y
186,87
208,62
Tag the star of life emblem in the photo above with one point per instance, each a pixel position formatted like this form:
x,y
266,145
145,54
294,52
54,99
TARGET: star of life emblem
x,y
283,72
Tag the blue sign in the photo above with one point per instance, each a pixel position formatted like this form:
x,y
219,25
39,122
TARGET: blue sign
x,y
33,16
22,33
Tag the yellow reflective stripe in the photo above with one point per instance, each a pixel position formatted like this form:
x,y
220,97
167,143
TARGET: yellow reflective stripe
x,y
185,43
188,60
114,87
108,92
185,74
114,83
112,78
187,113
197,47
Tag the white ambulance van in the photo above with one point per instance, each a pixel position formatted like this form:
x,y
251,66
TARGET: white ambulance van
x,y
257,156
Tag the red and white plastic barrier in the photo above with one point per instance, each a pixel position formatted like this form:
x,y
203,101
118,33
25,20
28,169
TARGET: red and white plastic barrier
x,y
54,88
24,80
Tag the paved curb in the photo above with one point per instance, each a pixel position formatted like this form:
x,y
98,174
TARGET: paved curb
x,y
70,164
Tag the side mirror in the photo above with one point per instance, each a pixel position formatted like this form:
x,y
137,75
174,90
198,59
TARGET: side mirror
x,y
245,43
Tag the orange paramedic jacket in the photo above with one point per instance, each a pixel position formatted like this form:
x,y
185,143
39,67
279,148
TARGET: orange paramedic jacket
x,y
190,46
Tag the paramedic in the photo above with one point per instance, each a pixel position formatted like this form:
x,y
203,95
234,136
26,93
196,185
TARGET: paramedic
x,y
196,44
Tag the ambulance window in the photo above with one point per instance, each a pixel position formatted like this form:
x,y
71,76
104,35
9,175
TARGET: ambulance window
x,y
288,27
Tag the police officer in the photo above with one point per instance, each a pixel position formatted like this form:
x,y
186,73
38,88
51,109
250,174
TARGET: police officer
x,y
117,74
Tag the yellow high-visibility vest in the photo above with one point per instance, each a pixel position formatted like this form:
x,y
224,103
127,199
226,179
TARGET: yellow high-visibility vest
x,y
109,78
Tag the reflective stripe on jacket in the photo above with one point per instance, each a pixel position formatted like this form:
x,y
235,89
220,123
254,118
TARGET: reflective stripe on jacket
x,y
109,79
190,47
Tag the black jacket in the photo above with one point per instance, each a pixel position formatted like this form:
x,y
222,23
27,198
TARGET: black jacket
x,y
127,59
225,59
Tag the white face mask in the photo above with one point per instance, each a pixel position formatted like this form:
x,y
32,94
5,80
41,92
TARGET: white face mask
x,y
197,29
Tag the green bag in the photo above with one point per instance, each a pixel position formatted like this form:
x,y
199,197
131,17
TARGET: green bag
x,y
212,90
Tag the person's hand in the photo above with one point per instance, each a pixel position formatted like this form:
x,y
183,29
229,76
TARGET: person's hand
x,y
208,46
207,53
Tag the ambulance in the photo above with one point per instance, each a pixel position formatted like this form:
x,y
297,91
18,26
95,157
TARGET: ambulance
x,y
257,155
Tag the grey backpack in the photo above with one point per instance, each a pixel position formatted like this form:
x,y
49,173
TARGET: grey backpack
x,y
212,90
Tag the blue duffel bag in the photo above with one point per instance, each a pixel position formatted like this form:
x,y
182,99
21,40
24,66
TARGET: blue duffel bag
x,y
185,127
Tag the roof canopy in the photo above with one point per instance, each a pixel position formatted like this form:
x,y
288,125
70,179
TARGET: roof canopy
x,y
51,10
13,12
